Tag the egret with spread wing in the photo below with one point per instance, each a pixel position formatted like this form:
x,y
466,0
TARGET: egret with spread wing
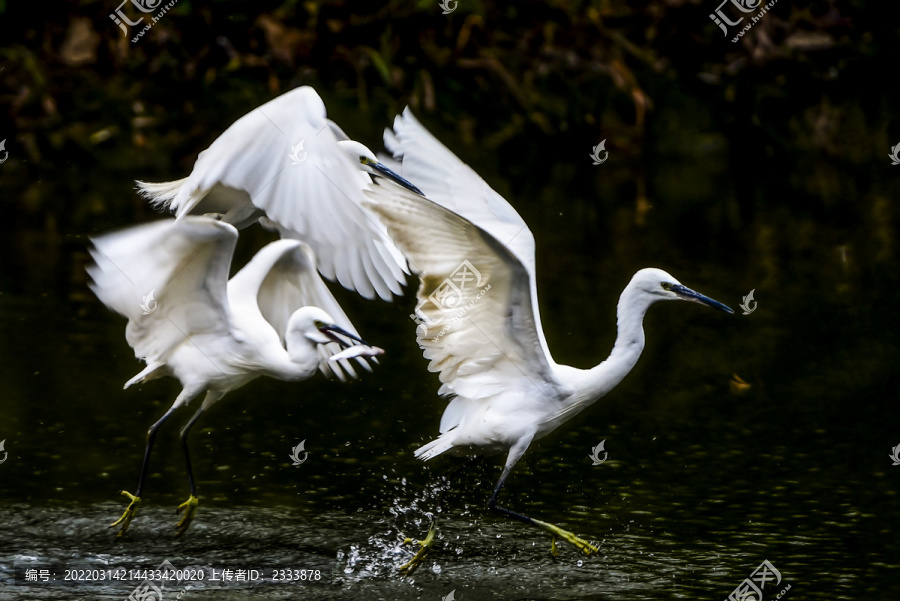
x,y
480,325
287,163
275,317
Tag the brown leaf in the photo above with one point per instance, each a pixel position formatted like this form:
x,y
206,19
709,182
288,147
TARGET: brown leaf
x,y
809,40
80,44
286,43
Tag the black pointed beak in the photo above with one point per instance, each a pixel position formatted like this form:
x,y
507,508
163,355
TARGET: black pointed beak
x,y
329,331
383,170
687,294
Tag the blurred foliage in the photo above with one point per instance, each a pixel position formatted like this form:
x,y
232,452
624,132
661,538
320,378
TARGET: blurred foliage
x,y
525,83
496,69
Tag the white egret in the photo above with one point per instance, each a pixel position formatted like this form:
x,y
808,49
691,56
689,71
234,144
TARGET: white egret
x,y
480,325
186,319
287,162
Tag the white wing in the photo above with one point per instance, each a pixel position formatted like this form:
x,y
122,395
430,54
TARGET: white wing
x,y
449,182
185,267
311,193
282,278
479,328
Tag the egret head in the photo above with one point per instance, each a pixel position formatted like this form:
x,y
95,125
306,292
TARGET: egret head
x,y
370,164
319,327
656,284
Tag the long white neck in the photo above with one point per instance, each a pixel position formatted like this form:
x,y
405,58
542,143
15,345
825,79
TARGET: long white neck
x,y
300,361
599,380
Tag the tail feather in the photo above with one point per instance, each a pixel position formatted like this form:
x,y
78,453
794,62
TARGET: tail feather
x,y
151,372
160,195
441,444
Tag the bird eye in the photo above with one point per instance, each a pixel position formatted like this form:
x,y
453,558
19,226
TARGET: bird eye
x,y
666,286
319,324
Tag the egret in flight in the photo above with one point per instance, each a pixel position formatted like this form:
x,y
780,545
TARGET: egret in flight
x,y
288,166
480,325
186,319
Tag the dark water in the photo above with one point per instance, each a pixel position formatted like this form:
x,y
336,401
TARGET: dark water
x,y
703,482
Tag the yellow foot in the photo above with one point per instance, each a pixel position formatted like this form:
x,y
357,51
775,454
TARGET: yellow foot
x,y
557,533
129,514
190,508
424,545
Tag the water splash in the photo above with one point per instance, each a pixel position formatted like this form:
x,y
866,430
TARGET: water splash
x,y
384,553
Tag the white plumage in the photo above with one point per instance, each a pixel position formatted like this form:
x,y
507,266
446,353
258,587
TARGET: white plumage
x,y
287,163
470,247
275,317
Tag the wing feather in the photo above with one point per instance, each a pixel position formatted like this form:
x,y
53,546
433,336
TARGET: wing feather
x,y
313,193
449,182
184,264
478,327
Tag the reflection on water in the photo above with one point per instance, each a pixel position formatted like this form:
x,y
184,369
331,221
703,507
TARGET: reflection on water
x,y
702,483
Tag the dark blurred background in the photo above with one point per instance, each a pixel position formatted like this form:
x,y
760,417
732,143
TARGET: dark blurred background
x,y
758,164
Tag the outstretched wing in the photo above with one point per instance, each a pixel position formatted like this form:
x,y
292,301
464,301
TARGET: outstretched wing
x,y
168,278
478,327
282,278
283,159
449,182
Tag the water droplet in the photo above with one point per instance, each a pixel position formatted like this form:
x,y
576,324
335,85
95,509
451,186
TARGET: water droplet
x,y
436,569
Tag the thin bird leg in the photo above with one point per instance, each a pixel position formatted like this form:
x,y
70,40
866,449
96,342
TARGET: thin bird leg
x,y
190,506
555,532
425,545
132,508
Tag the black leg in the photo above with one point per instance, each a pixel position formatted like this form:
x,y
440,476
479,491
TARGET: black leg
x,y
187,454
151,437
132,508
190,506
492,502
555,532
